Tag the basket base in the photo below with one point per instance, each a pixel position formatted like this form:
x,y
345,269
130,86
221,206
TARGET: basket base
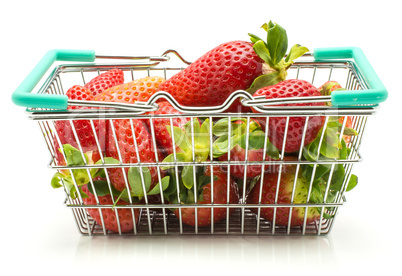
x,y
157,223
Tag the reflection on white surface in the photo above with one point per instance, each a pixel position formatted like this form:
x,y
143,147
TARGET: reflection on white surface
x,y
234,253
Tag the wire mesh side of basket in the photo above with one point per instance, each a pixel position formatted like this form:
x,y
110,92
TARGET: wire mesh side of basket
x,y
158,219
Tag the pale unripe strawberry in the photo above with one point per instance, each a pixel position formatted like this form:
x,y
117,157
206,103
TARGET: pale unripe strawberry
x,y
328,87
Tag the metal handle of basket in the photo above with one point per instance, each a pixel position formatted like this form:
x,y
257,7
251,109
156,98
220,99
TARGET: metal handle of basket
x,y
376,93
22,95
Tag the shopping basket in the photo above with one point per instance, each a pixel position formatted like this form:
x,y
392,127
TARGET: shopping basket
x,y
349,66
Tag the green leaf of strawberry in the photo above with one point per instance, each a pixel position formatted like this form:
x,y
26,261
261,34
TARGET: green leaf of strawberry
x,y
273,52
256,137
329,151
73,156
101,172
260,47
331,147
55,182
101,188
156,190
266,80
196,134
170,193
180,157
295,52
180,138
79,176
187,176
338,176
221,145
256,140
222,126
352,182
277,42
254,38
135,176
349,132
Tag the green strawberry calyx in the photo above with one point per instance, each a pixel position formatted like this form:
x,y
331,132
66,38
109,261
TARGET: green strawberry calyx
x,y
194,146
273,52
72,178
193,142
238,136
332,147
327,88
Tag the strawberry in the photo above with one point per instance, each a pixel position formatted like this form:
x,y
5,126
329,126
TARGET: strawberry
x,y
137,90
213,77
269,192
193,133
239,154
239,148
232,66
326,89
87,180
200,133
125,215
80,93
130,92
286,168
85,133
220,185
127,148
105,80
276,127
161,127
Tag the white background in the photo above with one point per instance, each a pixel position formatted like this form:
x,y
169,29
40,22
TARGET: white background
x,y
39,234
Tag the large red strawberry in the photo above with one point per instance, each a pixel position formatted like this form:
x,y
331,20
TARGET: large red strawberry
x,y
232,66
277,125
86,134
220,185
213,77
105,80
269,191
125,216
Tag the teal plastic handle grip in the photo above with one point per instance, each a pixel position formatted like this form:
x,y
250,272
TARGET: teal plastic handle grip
x,y
376,93
22,96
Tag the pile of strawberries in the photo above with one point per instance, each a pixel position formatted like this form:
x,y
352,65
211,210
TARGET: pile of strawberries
x,y
153,147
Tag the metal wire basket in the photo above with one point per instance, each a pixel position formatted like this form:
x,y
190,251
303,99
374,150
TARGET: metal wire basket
x,y
157,218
